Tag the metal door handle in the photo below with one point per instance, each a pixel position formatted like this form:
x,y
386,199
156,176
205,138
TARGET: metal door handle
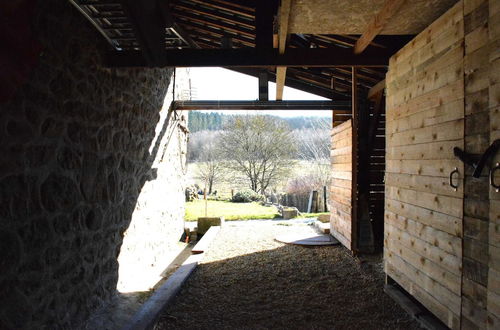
x,y
455,187
492,177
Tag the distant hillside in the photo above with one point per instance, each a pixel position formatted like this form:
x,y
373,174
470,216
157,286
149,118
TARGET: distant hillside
x,y
201,121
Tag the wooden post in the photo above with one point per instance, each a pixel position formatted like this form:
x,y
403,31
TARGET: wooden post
x,y
325,202
263,86
206,201
364,230
314,206
309,204
264,14
354,190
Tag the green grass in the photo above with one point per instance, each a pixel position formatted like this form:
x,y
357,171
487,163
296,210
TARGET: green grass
x,y
230,211
312,215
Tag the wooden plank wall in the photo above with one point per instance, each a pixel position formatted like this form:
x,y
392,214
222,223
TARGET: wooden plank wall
x,y
341,183
493,296
340,116
376,170
480,282
425,120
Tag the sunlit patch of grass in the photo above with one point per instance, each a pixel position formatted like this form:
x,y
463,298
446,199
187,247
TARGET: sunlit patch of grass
x,y
230,211
312,215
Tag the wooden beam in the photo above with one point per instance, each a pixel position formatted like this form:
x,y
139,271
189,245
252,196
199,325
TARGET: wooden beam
x,y
354,161
264,16
261,105
280,82
252,57
377,110
298,84
228,7
284,14
149,28
375,90
170,24
389,9
263,86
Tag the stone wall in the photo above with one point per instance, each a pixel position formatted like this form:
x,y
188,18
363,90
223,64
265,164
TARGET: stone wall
x,y
160,206
83,149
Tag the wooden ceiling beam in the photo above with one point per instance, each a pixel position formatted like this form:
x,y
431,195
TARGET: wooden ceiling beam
x,y
369,77
377,89
253,57
149,28
284,15
297,83
264,17
228,7
214,41
214,23
320,80
217,34
263,86
380,20
215,15
261,105
242,4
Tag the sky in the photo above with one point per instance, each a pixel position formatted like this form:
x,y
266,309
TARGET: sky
x,y
223,84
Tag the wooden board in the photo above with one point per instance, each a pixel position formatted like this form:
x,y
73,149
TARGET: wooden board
x,y
424,121
493,292
328,16
341,183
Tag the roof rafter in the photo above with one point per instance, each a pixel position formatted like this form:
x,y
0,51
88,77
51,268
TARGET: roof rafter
x,y
284,15
389,9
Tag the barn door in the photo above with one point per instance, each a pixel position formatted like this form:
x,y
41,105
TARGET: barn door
x,y
424,181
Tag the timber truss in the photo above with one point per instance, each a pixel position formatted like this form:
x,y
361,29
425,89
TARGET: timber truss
x,y
248,36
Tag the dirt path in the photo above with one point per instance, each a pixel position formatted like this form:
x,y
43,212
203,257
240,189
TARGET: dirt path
x,y
249,281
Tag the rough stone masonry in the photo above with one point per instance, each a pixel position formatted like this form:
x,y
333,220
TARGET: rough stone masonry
x,y
91,166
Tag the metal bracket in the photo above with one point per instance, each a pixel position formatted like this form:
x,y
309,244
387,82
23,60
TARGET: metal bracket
x,y
492,177
470,159
455,187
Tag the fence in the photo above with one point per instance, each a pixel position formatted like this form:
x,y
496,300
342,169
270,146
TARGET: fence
x,y
313,201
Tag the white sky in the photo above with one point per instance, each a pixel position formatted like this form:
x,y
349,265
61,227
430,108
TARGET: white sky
x,y
223,84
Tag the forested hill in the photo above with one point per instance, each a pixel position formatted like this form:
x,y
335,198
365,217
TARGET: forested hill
x,y
201,121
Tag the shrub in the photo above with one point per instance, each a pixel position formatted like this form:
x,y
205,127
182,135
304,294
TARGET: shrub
x,y
247,196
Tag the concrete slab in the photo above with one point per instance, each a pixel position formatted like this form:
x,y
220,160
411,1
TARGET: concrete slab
x,y
206,240
146,317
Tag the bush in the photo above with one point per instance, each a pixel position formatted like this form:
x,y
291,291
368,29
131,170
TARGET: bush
x,y
247,196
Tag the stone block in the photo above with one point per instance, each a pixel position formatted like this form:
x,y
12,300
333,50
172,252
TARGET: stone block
x,y
204,223
324,218
290,213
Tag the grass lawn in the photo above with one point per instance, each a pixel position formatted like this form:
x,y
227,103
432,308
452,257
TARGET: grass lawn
x,y
312,215
230,211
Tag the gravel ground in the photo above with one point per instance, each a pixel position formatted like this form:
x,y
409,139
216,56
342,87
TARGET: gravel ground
x,y
249,281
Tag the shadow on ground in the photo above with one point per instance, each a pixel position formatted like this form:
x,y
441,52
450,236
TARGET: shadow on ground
x,y
290,287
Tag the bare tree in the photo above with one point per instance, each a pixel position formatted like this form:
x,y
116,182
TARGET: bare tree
x,y
313,147
197,142
260,147
210,168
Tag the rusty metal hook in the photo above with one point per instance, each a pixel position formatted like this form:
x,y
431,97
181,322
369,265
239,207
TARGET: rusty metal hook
x,y
455,187
492,177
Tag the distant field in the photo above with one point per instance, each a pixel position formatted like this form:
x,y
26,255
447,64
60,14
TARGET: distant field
x,y
228,210
237,182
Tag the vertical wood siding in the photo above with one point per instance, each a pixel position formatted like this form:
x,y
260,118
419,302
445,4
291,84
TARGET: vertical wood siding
x,y
341,183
